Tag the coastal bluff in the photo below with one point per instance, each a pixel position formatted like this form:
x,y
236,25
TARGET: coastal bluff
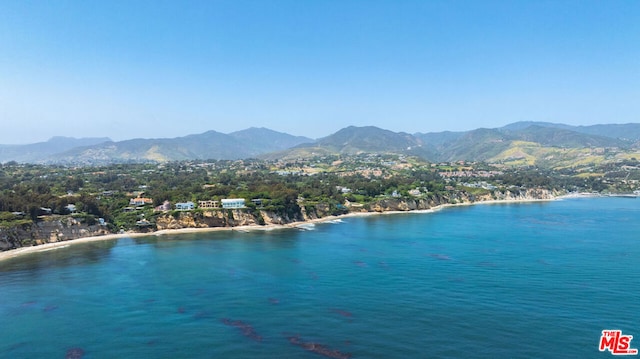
x,y
63,228
50,230
458,198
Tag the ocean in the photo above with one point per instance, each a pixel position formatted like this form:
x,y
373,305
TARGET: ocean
x,y
519,280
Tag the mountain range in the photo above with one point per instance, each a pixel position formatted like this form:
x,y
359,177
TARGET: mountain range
x,y
521,140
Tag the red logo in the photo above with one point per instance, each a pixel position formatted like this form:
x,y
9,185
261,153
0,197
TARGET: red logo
x,y
616,343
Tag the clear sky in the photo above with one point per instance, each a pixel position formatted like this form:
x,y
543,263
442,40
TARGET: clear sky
x,y
128,69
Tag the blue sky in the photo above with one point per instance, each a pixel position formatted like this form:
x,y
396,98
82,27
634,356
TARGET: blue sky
x,y
130,69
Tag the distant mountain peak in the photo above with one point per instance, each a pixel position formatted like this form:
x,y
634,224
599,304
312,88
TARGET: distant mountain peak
x,y
479,144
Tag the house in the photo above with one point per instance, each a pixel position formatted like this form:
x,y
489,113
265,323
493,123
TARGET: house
x,y
140,201
143,223
233,203
185,206
257,201
208,204
42,211
415,192
165,206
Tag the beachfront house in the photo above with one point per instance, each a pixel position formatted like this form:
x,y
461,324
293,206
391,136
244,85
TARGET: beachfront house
x,y
231,203
185,206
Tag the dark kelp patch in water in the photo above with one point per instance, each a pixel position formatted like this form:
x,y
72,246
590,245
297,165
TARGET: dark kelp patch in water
x,y
318,348
246,329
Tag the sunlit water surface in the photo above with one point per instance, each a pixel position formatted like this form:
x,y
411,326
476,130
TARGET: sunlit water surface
x,y
527,280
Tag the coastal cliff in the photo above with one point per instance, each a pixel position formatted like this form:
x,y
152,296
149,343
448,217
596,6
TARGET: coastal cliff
x,y
208,219
223,218
62,228
50,230
412,204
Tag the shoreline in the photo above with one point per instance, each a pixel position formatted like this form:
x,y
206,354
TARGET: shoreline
x,y
12,253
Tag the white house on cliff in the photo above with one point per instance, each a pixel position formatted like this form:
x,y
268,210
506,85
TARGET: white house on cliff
x,y
233,203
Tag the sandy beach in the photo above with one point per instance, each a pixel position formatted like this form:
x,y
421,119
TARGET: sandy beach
x,y
51,246
12,253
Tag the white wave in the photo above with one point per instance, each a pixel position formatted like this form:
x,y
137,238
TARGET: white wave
x,y
307,226
50,249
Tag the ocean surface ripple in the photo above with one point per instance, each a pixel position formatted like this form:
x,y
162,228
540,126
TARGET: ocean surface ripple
x,y
536,280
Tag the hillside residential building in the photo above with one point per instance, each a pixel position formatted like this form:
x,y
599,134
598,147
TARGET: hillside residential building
x,y
140,201
257,201
233,203
43,211
165,206
208,204
185,206
143,223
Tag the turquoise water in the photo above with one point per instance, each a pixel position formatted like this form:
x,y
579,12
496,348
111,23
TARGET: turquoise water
x,y
528,280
